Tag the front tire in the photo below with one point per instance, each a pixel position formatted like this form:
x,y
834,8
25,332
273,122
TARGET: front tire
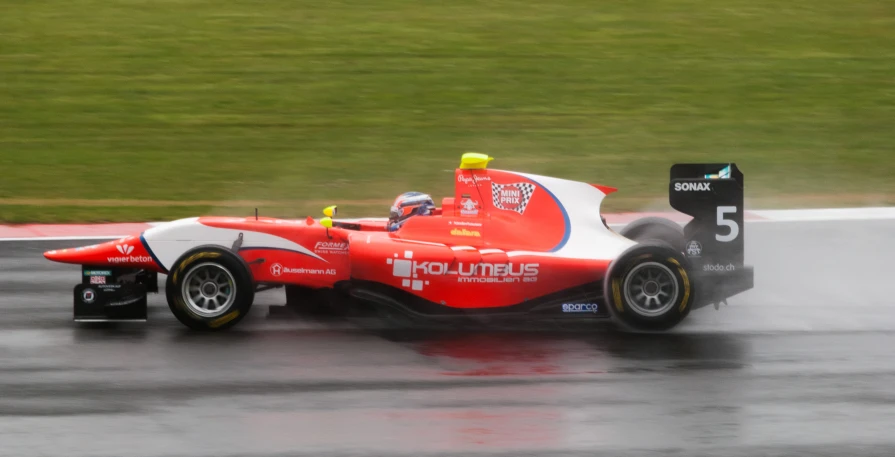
x,y
209,289
648,288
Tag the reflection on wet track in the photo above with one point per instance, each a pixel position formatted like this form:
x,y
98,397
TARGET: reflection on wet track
x,y
801,365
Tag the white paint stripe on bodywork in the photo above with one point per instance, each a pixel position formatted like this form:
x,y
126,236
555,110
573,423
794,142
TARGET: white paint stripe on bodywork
x,y
427,243
169,241
588,237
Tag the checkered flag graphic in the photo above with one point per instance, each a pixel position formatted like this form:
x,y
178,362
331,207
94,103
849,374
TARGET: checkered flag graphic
x,y
526,190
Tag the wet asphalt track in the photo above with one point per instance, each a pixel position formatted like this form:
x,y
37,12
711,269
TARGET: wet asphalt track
x,y
802,365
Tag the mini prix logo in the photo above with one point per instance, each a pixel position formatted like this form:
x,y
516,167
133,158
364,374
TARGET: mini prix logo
x,y
512,197
403,268
125,249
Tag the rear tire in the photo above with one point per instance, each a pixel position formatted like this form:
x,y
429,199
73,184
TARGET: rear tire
x,y
656,229
648,288
209,289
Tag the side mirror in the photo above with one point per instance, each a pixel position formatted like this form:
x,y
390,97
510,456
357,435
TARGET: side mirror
x,y
328,223
330,211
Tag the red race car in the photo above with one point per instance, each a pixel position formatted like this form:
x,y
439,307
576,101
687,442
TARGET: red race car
x,y
506,244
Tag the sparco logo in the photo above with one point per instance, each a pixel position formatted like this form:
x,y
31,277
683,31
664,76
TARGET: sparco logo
x,y
579,307
692,186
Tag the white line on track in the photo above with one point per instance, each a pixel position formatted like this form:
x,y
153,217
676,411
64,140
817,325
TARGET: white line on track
x,y
825,215
65,238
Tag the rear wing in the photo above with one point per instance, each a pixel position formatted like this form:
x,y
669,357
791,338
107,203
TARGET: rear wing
x,y
715,239
713,195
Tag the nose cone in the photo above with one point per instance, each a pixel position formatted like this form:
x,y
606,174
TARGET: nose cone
x,y
72,255
55,255
125,252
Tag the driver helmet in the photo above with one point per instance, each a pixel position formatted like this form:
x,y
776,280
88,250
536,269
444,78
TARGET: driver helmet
x,y
407,205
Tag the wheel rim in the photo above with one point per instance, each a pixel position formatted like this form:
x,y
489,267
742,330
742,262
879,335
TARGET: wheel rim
x,y
209,289
650,289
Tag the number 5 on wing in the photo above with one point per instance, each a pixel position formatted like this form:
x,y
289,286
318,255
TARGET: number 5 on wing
x,y
722,222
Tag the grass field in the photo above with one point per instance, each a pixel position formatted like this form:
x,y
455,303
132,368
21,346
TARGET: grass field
x,y
156,109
